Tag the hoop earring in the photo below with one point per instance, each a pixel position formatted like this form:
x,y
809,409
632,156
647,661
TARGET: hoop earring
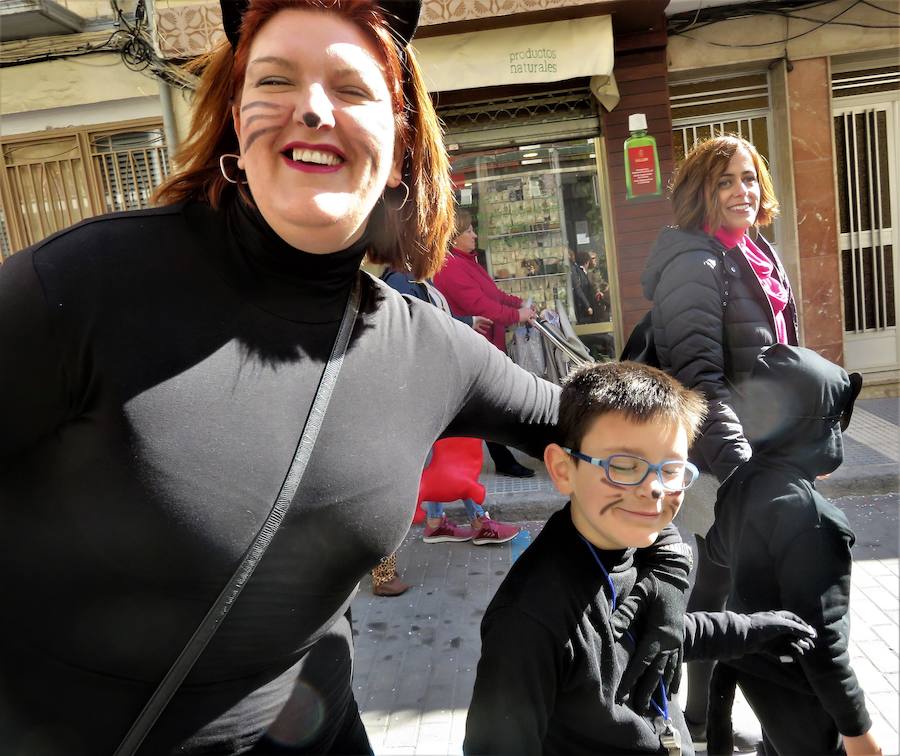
x,y
225,173
406,198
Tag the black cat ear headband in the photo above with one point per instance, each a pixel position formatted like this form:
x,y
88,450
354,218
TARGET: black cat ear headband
x,y
402,17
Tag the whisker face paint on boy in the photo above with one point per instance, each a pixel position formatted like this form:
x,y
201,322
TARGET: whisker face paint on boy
x,y
655,427
613,516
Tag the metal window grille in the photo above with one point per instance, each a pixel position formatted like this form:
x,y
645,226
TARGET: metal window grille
x,y
702,98
47,184
851,83
864,157
708,108
130,165
711,107
50,182
522,119
5,247
753,127
559,105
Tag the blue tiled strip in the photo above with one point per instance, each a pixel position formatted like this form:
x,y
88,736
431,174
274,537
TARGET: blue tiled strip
x,y
518,544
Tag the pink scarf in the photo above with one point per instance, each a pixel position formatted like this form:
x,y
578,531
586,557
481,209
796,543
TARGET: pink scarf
x,y
776,292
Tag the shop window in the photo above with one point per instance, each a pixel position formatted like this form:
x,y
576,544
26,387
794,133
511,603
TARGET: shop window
x,y
540,229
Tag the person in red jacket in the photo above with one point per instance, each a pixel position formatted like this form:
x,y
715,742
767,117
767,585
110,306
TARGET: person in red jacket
x,y
470,290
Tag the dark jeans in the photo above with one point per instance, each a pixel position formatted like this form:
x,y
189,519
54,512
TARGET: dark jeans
x,y
321,716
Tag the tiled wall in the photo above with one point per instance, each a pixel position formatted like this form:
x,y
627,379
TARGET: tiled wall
x,y
186,30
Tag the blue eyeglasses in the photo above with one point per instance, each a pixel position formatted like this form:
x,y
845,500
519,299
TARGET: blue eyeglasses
x,y
627,470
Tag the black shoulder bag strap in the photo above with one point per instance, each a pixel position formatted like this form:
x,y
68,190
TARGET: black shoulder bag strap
x,y
252,556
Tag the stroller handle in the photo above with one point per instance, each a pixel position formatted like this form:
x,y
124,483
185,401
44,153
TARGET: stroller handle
x,y
547,332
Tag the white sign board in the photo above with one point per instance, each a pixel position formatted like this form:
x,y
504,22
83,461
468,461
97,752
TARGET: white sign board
x,y
532,54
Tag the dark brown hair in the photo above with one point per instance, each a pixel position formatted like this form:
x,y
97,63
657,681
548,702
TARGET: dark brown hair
x,y
408,233
583,257
694,189
639,392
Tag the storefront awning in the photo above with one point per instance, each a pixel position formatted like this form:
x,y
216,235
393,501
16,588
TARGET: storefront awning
x,y
534,54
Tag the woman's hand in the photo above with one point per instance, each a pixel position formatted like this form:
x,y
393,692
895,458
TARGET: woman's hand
x,y
861,745
481,324
526,314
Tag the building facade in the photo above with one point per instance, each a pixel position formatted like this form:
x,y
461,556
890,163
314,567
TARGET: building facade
x,y
535,96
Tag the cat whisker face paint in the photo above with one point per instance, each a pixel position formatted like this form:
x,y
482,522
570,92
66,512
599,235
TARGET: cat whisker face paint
x,y
316,127
260,104
274,117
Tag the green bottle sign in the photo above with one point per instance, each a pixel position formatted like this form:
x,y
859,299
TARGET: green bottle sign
x,y
642,177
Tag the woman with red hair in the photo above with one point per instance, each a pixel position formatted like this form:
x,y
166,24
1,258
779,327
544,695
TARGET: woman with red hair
x,y
199,467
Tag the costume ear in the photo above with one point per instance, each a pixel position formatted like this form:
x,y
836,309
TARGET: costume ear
x,y
856,383
561,468
232,13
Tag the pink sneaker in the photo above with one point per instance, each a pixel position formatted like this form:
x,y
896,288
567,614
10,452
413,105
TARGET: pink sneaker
x,y
494,532
447,530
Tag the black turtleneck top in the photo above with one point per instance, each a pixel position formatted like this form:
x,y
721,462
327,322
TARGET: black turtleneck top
x,y
156,369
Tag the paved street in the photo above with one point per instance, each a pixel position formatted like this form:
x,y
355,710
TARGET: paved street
x,y
416,654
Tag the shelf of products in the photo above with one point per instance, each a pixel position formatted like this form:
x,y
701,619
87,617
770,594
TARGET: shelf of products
x,y
520,219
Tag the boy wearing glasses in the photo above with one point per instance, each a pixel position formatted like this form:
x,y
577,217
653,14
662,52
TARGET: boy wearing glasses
x,y
551,660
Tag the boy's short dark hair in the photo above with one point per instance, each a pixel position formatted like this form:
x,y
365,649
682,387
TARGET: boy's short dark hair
x,y
639,392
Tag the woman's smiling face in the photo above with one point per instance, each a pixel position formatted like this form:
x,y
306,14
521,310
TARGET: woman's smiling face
x,y
316,128
737,192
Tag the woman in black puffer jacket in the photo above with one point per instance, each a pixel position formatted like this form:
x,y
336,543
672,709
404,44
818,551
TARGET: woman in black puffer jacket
x,y
720,296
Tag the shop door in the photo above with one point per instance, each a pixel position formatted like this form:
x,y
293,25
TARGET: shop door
x,y
867,150
541,234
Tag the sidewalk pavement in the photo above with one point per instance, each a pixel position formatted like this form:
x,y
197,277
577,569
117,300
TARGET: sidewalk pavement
x,y
416,654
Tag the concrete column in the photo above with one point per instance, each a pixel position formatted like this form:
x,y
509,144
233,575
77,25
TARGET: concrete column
x,y
821,304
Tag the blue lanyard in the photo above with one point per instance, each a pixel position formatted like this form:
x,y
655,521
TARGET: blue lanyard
x,y
664,709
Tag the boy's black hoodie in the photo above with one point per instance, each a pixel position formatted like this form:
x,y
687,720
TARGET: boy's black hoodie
x,y
787,546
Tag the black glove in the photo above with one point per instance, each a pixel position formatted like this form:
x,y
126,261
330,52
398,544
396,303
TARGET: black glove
x,y
643,593
658,639
780,634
